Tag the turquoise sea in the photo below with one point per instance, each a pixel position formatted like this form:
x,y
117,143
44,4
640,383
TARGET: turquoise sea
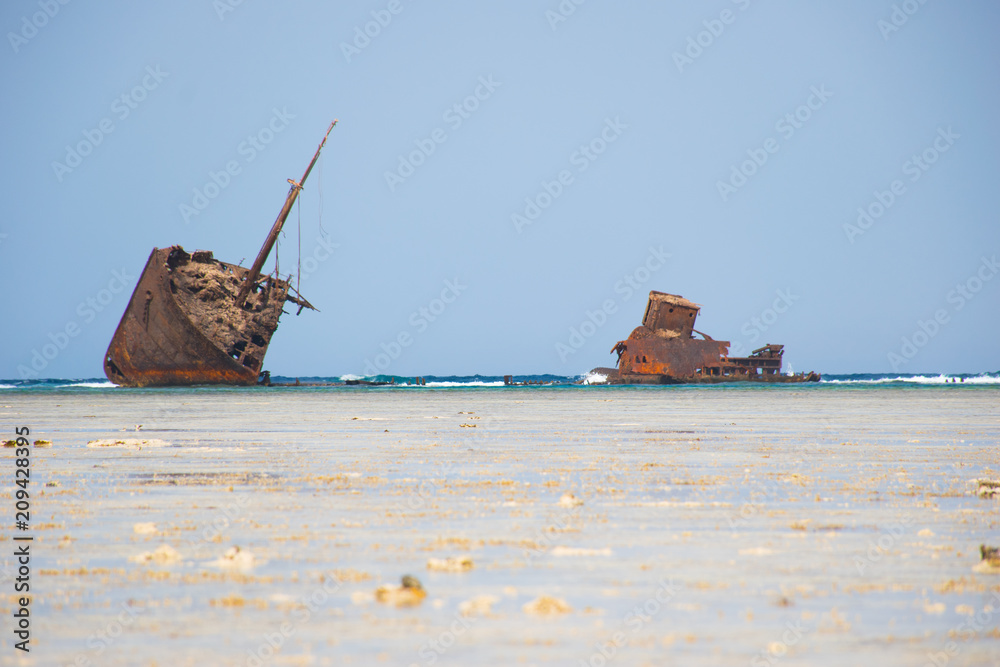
x,y
315,383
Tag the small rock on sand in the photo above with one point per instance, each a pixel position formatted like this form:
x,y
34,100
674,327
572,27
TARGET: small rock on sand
x,y
410,593
569,500
235,559
453,564
988,488
990,563
546,605
163,555
147,528
481,605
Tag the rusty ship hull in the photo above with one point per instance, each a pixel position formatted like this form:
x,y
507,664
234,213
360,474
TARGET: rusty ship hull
x,y
195,320
171,333
664,350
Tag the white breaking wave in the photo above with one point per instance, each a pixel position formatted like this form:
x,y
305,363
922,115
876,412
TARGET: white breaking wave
x,y
7,386
473,383
595,378
924,379
92,385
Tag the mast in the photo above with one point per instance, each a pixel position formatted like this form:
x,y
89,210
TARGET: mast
x,y
269,242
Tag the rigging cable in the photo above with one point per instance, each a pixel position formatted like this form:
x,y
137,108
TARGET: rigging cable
x,y
320,187
298,275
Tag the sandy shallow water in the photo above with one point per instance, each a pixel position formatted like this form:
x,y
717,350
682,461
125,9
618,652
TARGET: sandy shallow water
x,y
689,526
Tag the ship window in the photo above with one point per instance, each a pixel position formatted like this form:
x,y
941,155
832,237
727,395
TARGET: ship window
x,y
236,351
671,310
250,362
114,369
258,340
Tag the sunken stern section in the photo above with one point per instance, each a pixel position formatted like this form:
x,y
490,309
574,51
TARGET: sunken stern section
x,y
664,350
183,326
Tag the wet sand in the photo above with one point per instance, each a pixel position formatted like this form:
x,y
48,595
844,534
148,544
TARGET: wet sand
x,y
694,526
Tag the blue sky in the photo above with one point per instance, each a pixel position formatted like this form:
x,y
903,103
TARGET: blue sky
x,y
508,181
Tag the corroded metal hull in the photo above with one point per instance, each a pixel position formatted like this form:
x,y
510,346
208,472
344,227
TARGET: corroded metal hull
x,y
195,320
613,376
182,327
663,350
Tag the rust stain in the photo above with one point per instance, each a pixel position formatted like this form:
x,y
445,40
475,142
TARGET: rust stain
x,y
182,326
195,320
664,350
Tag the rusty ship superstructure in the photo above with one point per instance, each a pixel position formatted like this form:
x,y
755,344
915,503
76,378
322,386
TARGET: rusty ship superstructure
x,y
664,349
194,320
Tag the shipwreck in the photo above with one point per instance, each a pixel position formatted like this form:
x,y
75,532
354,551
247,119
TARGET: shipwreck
x,y
665,350
193,319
